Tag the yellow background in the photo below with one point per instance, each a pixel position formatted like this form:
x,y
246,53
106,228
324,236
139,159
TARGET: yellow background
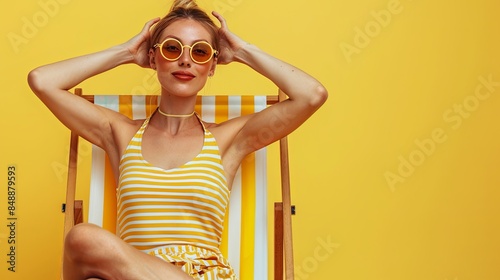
x,y
397,72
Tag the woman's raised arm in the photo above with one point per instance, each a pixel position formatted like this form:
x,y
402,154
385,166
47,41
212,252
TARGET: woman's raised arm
x,y
51,84
305,93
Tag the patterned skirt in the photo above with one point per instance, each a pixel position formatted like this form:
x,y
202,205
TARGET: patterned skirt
x,y
197,262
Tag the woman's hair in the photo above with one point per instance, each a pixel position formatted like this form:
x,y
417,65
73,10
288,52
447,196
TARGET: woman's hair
x,y
185,9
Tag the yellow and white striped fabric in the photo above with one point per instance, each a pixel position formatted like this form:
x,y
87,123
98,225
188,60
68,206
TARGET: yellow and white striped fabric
x,y
243,243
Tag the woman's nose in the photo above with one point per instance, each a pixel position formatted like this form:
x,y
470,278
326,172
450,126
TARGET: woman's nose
x,y
185,58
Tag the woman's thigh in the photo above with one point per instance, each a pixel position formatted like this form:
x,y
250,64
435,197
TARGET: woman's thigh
x,y
92,252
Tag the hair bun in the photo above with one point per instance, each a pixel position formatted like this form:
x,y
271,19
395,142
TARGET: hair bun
x,y
185,9
184,4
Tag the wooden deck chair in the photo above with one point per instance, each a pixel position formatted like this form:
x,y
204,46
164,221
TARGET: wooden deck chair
x,y
245,244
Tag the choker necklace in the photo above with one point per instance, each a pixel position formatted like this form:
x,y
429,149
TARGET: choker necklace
x,y
175,116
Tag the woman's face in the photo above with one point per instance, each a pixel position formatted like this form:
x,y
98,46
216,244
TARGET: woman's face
x,y
183,77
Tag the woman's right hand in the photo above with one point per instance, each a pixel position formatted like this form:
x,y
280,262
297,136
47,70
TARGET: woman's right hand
x,y
138,46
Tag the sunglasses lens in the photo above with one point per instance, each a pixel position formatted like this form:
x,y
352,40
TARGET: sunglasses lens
x,y
201,52
171,49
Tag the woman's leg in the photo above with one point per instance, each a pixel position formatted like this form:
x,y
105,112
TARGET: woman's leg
x,y
91,252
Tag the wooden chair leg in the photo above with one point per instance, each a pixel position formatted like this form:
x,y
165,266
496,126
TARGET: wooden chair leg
x,y
71,185
287,204
286,211
78,211
278,241
69,217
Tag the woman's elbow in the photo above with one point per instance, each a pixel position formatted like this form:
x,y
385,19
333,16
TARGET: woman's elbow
x,y
319,97
35,81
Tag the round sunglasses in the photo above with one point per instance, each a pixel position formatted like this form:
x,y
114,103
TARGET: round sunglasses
x,y
172,49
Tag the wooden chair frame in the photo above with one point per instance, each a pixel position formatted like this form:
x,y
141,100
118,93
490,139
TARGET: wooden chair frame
x,y
283,243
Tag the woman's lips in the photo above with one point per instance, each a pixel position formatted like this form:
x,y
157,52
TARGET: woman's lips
x,y
183,75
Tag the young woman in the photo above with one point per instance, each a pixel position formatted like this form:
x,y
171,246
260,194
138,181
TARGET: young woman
x,y
174,170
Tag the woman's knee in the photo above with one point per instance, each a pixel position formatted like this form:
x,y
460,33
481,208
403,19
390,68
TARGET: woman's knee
x,y
79,237
84,240
90,251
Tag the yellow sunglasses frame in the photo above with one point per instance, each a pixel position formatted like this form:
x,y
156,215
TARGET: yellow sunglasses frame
x,y
160,45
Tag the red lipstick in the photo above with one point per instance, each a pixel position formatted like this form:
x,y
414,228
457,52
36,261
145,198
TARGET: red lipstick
x,y
183,75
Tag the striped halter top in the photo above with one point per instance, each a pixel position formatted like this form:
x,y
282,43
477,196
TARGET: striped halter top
x,y
180,206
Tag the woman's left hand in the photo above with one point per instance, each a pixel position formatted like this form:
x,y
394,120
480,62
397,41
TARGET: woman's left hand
x,y
229,43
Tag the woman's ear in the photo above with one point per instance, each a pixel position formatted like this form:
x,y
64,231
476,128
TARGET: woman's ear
x,y
212,69
152,60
